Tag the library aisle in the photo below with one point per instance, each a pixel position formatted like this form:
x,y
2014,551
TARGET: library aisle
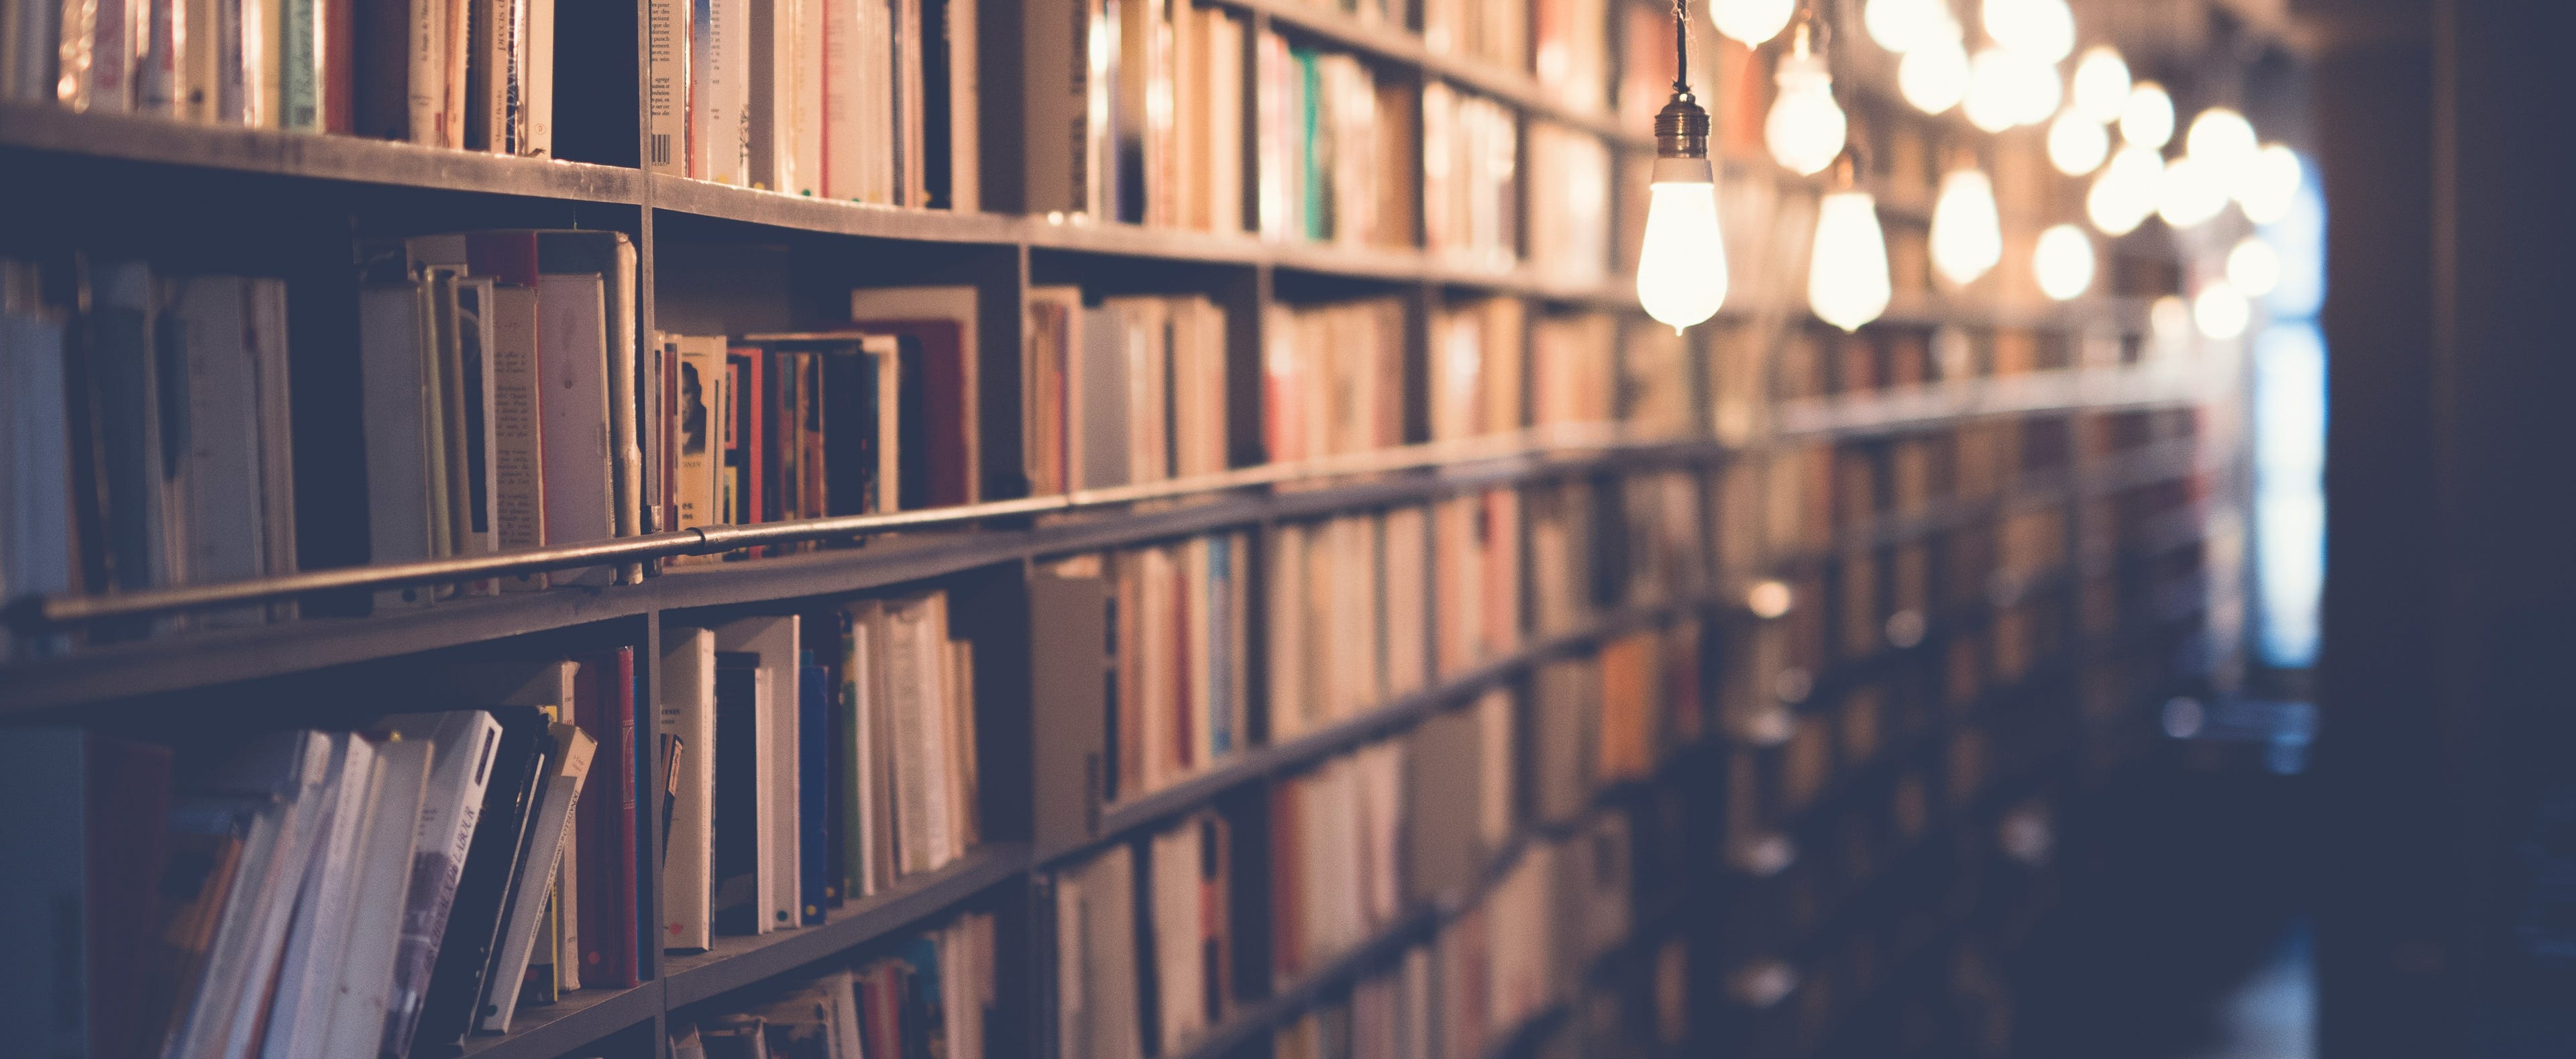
x,y
1283,529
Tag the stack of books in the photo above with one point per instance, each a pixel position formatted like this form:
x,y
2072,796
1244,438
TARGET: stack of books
x,y
322,893
1123,390
1121,986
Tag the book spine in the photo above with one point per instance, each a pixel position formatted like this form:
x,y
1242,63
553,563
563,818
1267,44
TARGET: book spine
x,y
666,87
299,54
425,50
535,122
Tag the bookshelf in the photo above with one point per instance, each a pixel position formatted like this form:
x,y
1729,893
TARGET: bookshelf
x,y
712,256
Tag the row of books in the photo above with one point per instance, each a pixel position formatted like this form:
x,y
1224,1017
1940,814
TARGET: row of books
x,y
1123,390
147,440
1335,146
1120,985
1180,691
1471,150
472,74
1348,618
334,893
875,102
825,760
1569,201
1333,378
933,994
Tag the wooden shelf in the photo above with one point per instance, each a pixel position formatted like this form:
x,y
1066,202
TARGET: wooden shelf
x,y
580,1020
348,159
737,962
1934,404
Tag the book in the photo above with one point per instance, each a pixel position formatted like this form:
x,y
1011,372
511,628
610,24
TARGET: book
x,y
944,323
476,918
606,939
739,891
465,747
688,716
771,721
550,826
319,938
359,997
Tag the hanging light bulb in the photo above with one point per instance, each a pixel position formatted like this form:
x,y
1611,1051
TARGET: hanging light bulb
x,y
2041,29
2147,118
1805,129
1681,268
2221,311
1751,21
1901,26
2101,89
1967,234
2063,262
1992,81
2190,194
1934,76
2223,140
2269,184
1847,282
2253,267
2124,194
2077,144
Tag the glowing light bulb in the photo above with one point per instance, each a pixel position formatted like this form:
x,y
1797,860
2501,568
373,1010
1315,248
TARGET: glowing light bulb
x,y
2077,144
2269,184
1991,104
1751,21
1847,282
2101,84
2253,267
1901,26
2147,119
1967,234
2224,141
2190,194
1805,129
2041,29
2124,194
2063,261
2221,311
1934,76
2008,88
1681,269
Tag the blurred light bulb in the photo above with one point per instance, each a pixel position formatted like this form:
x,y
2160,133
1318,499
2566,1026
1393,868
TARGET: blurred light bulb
x,y
2169,320
1967,234
2253,267
2223,140
2037,88
2101,84
2191,193
1681,268
2221,311
2147,118
1805,129
2124,194
1993,103
2063,261
1934,76
1903,25
1751,21
2077,144
1847,283
2041,29
2270,184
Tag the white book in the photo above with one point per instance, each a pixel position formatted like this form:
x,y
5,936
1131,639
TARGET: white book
x,y
222,436
287,769
549,824
426,51
774,638
393,372
1174,862
462,745
354,1017
537,81
688,711
319,938
727,122
267,340
805,116
573,416
666,87
844,140
913,675
864,808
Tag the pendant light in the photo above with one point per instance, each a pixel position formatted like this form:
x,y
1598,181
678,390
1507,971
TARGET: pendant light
x,y
2063,262
1681,268
2101,89
1934,76
1967,232
1754,22
2147,119
2077,145
1806,127
1847,282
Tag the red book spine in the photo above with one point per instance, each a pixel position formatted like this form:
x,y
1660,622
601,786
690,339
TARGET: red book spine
x,y
603,697
624,943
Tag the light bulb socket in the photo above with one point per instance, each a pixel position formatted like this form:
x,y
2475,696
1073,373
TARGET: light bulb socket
x,y
1681,129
